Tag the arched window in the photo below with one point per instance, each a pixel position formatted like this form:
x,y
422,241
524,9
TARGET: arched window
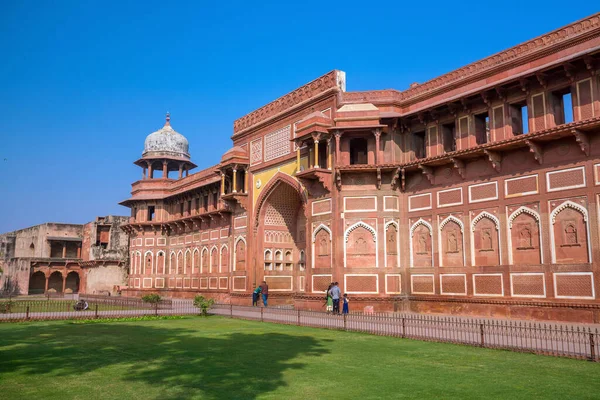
x,y
268,260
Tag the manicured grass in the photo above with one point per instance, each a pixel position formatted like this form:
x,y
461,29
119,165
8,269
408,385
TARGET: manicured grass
x,y
20,306
219,358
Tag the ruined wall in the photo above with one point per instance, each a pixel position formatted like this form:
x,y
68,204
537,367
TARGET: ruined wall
x,y
104,278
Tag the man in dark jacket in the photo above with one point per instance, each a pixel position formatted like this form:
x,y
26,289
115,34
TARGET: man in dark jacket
x,y
264,288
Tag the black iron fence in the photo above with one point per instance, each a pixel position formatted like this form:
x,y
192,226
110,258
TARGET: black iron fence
x,y
574,341
563,340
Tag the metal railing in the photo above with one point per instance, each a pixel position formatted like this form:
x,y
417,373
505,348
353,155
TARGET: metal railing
x,y
571,341
562,340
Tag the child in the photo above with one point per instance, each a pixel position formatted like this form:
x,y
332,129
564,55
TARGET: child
x,y
256,296
345,307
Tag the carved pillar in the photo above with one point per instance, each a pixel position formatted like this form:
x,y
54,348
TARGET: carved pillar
x,y
337,146
317,154
222,183
180,171
64,283
310,158
46,288
64,252
79,251
377,133
246,180
329,153
297,158
165,170
234,180
143,173
187,170
150,171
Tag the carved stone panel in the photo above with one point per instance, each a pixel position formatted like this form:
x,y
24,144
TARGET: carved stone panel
x,y
525,240
451,237
485,243
391,246
421,247
361,248
322,249
570,237
240,256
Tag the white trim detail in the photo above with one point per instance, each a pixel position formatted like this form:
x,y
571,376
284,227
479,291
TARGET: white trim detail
x,y
464,276
512,292
223,246
511,217
386,283
577,207
235,242
266,278
352,292
495,183
410,209
508,196
412,284
185,258
312,288
459,189
590,274
582,169
314,238
487,294
462,231
312,207
385,228
496,221
361,197
414,226
151,263
367,227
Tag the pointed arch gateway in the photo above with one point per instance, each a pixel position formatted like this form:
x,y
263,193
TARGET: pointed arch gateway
x,y
280,226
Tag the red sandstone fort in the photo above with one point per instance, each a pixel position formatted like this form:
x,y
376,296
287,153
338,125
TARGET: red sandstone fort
x,y
477,192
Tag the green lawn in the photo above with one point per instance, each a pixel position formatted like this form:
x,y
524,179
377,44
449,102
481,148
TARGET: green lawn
x,y
20,306
219,358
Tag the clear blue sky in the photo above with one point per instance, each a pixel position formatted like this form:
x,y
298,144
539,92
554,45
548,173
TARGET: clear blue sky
x,y
83,82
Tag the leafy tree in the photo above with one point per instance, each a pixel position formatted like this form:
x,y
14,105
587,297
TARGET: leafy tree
x,y
154,299
203,304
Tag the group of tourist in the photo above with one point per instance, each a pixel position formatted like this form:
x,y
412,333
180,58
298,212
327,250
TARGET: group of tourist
x,y
333,296
332,300
261,290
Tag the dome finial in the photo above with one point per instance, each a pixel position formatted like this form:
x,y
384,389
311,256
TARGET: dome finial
x,y
168,119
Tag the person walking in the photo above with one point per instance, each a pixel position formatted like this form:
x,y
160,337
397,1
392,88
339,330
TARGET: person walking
x,y
255,296
264,289
345,308
328,300
335,295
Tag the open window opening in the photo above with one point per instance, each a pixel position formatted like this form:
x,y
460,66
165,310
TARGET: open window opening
x,y
102,236
419,145
482,128
216,200
205,202
157,171
519,118
449,137
358,151
151,213
322,157
189,207
562,104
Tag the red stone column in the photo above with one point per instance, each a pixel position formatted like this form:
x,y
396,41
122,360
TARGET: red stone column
x,y
165,170
377,133
64,283
64,252
46,288
337,147
180,170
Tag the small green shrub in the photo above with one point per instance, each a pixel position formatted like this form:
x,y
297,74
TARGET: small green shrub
x,y
5,306
203,304
152,298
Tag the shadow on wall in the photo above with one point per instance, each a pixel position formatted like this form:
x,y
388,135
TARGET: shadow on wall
x,y
185,363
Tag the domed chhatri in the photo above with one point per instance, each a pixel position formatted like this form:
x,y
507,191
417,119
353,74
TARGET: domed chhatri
x,y
166,142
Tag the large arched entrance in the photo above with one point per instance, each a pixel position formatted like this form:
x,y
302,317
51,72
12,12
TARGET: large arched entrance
x,y
55,282
37,283
72,282
281,234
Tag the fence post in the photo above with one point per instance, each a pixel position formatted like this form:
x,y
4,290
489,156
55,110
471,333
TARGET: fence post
x,y
261,314
592,348
345,322
298,323
155,309
96,312
27,313
230,310
481,331
403,327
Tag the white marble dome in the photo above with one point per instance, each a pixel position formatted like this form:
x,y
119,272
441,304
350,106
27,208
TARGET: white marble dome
x,y
166,142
